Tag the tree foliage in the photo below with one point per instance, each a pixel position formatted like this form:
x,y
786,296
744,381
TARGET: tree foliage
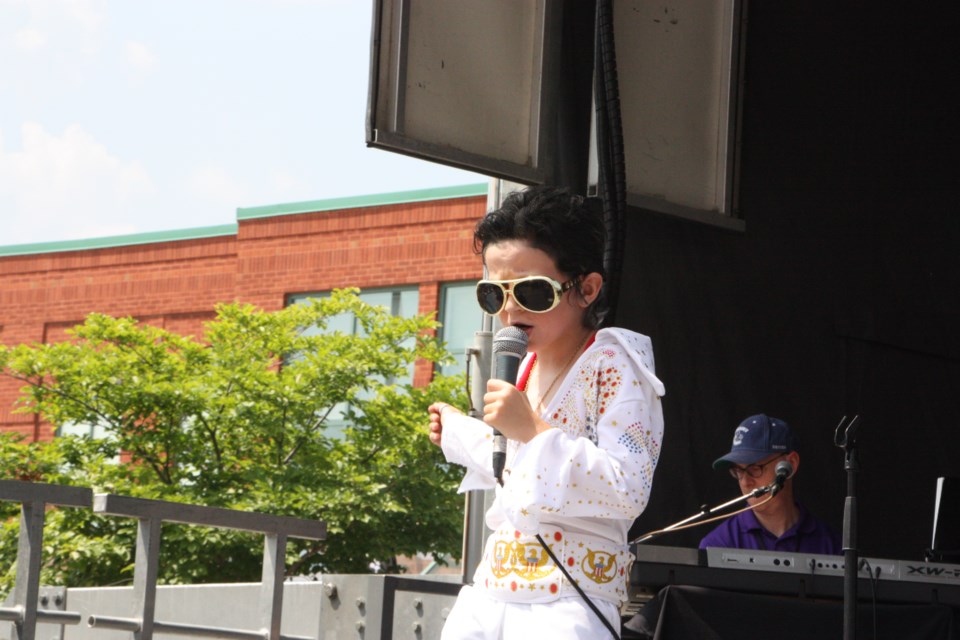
x,y
241,420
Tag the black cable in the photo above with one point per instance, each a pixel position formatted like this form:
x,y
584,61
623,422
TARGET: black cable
x,y
613,194
874,577
573,582
576,586
610,153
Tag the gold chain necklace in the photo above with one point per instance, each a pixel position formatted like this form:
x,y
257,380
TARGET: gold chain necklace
x,y
566,366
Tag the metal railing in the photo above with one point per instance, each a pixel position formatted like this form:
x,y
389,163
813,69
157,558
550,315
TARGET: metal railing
x,y
151,514
34,498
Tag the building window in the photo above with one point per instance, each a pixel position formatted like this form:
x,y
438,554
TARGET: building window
x,y
89,431
92,431
460,318
399,301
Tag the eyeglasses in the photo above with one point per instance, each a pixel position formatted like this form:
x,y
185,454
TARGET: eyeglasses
x,y
752,470
538,294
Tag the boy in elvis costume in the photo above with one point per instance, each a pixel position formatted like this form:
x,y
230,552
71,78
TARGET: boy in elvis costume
x,y
583,425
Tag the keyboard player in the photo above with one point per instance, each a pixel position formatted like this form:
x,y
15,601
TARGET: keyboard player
x,y
782,523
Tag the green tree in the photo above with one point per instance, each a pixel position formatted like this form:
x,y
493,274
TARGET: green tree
x,y
240,420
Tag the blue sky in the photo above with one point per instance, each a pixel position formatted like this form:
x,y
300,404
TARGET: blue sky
x,y
128,116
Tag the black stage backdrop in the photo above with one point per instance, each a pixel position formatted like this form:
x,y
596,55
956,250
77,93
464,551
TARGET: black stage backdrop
x,y
841,296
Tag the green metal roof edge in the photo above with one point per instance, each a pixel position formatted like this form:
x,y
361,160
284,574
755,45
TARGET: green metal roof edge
x,y
354,202
120,241
247,213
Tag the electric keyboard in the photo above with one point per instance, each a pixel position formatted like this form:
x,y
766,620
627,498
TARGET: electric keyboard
x,y
797,574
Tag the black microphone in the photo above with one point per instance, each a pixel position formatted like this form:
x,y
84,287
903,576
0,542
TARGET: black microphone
x,y
784,470
509,348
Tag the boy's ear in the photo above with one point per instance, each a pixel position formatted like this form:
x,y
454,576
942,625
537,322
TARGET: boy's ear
x,y
590,287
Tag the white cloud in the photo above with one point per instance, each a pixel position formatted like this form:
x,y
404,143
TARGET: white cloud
x,y
65,16
88,13
50,45
139,56
29,39
55,182
210,146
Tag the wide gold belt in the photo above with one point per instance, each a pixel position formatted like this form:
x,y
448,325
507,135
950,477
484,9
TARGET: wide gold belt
x,y
516,568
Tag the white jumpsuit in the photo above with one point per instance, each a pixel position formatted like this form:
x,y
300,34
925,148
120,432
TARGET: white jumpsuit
x,y
579,486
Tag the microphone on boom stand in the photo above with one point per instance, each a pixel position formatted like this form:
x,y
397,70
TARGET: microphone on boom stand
x,y
784,470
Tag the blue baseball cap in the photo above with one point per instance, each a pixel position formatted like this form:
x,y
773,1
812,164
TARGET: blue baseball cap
x,y
756,438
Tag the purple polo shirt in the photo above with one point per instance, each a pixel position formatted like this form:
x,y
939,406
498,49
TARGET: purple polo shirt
x,y
743,531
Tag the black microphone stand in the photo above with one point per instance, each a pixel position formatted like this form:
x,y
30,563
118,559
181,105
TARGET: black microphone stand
x,y
846,439
773,487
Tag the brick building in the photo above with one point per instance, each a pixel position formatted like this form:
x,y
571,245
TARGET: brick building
x,y
412,248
